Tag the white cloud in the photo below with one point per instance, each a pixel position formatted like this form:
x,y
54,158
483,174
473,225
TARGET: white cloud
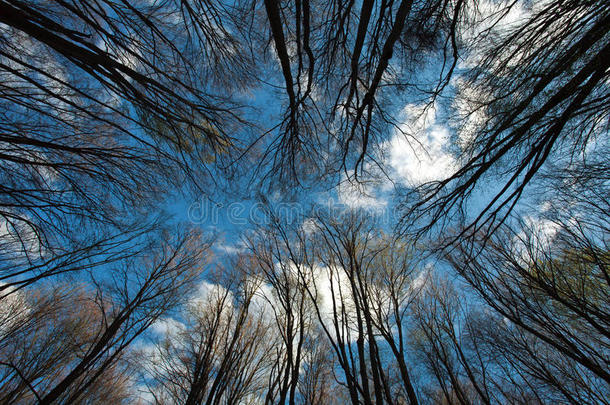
x,y
328,286
469,105
167,326
535,238
13,308
264,302
420,280
310,226
18,239
230,249
490,18
418,152
357,195
210,294
542,228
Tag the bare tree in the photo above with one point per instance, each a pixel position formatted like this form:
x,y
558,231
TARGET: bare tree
x,y
536,93
371,288
290,311
550,281
106,107
217,353
339,63
439,340
358,286
121,306
48,330
317,385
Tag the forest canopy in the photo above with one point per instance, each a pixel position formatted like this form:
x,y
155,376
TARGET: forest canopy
x,y
304,202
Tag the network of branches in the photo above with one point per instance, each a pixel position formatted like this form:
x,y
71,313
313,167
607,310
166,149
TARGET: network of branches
x,y
483,125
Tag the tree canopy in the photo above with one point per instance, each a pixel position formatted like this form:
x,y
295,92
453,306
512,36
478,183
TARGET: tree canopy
x,y
304,202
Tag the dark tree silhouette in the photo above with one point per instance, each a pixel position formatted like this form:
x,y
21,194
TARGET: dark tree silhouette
x,y
339,61
540,95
